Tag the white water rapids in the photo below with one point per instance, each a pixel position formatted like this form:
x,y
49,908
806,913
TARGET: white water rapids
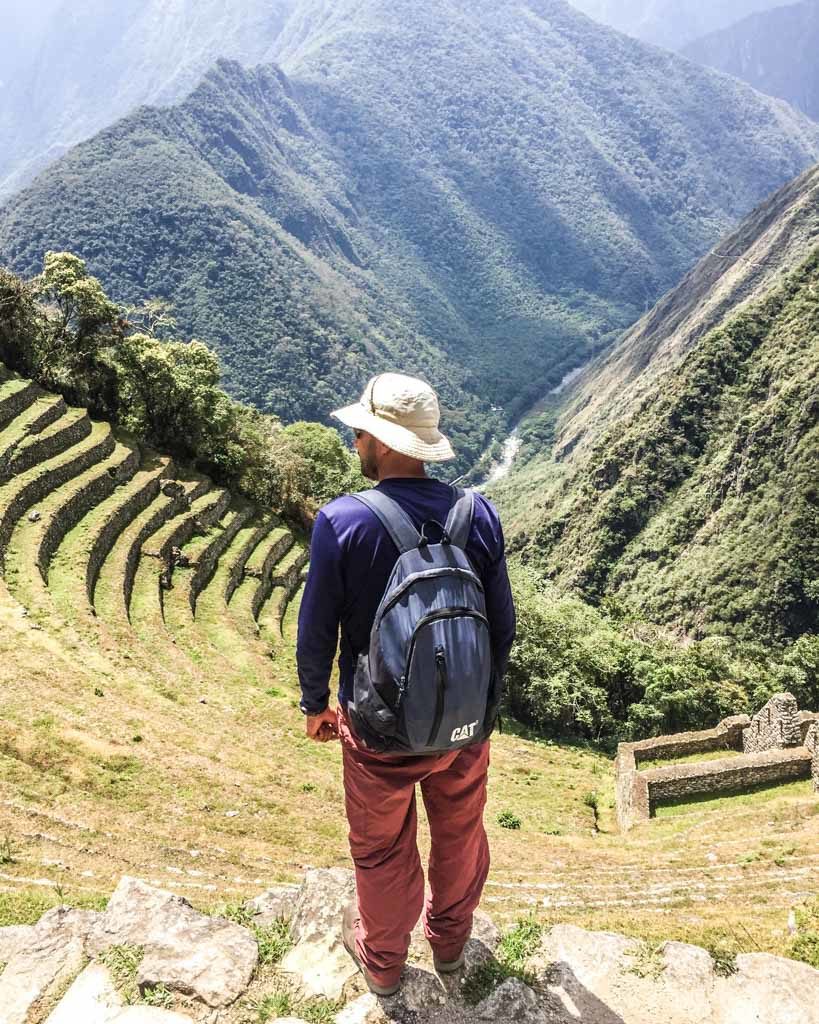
x,y
512,443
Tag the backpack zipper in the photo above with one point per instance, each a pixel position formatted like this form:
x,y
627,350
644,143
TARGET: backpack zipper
x,y
440,673
425,574
441,613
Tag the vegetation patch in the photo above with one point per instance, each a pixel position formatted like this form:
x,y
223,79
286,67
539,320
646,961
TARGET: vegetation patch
x,y
274,940
6,851
577,670
506,819
286,1001
805,945
725,961
649,961
513,951
123,964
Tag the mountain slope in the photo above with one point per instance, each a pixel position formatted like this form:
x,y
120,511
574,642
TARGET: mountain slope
x,y
685,487
775,51
86,63
421,190
231,206
670,23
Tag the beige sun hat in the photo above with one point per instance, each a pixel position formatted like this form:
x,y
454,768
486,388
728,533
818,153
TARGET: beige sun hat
x,y
403,413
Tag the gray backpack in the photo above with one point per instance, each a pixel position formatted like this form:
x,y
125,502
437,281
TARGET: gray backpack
x,y
427,685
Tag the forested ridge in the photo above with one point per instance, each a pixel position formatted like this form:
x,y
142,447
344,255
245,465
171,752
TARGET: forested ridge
x,y
454,188
72,67
694,503
671,23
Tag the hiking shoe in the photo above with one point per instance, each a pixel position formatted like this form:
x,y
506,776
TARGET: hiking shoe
x,y
448,966
348,923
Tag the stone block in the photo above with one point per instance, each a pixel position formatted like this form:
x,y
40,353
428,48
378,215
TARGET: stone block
x,y
51,955
209,958
274,904
318,960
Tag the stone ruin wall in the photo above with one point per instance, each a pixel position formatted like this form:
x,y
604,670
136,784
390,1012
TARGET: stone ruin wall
x,y
730,775
775,727
812,745
778,744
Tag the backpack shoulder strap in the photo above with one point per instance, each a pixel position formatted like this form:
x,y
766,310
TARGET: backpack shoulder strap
x,y
393,518
459,520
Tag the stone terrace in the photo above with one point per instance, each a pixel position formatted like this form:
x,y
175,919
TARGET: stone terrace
x,y
95,526
778,744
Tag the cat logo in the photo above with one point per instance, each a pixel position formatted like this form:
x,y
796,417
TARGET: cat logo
x,y
463,732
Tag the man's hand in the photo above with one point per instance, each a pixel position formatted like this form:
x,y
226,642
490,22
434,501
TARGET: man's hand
x,y
323,727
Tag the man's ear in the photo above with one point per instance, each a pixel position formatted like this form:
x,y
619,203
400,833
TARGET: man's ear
x,y
381,449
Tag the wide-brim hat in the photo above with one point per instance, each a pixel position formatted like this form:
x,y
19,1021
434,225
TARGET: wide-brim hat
x,y
403,413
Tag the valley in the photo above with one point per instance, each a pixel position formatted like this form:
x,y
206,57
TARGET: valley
x,y
604,257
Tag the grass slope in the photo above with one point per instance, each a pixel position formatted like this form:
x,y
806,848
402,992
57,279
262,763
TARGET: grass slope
x,y
120,757
176,752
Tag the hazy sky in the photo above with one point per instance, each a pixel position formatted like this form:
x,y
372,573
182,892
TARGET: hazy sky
x,y
25,17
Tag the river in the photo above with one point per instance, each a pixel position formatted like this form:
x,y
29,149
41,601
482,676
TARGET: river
x,y
512,443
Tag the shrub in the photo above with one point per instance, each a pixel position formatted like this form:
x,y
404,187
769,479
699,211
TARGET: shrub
x,y
805,946
506,819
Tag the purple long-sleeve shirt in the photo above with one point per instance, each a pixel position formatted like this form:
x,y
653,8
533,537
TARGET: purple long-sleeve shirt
x,y
351,560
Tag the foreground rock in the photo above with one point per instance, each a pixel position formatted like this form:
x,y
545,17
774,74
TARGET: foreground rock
x,y
208,958
208,964
602,978
47,958
93,999
318,958
274,904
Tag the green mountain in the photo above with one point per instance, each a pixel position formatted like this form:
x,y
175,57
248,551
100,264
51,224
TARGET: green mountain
x,y
423,189
775,51
670,23
682,485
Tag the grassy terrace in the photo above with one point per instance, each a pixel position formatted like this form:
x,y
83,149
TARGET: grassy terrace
x,y
249,539
15,396
268,552
56,438
116,765
711,755
24,491
29,551
74,571
40,414
200,556
271,614
146,607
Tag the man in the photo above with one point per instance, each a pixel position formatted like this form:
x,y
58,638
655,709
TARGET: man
x,y
351,560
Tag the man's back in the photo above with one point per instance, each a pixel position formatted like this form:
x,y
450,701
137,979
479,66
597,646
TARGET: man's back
x,y
351,561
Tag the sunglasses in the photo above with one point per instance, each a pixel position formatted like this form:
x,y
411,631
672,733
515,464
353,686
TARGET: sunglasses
x,y
358,434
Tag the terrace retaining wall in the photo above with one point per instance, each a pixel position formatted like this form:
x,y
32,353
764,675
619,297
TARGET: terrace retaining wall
x,y
779,744
119,520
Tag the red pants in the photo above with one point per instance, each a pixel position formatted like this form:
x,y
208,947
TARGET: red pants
x,y
381,811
